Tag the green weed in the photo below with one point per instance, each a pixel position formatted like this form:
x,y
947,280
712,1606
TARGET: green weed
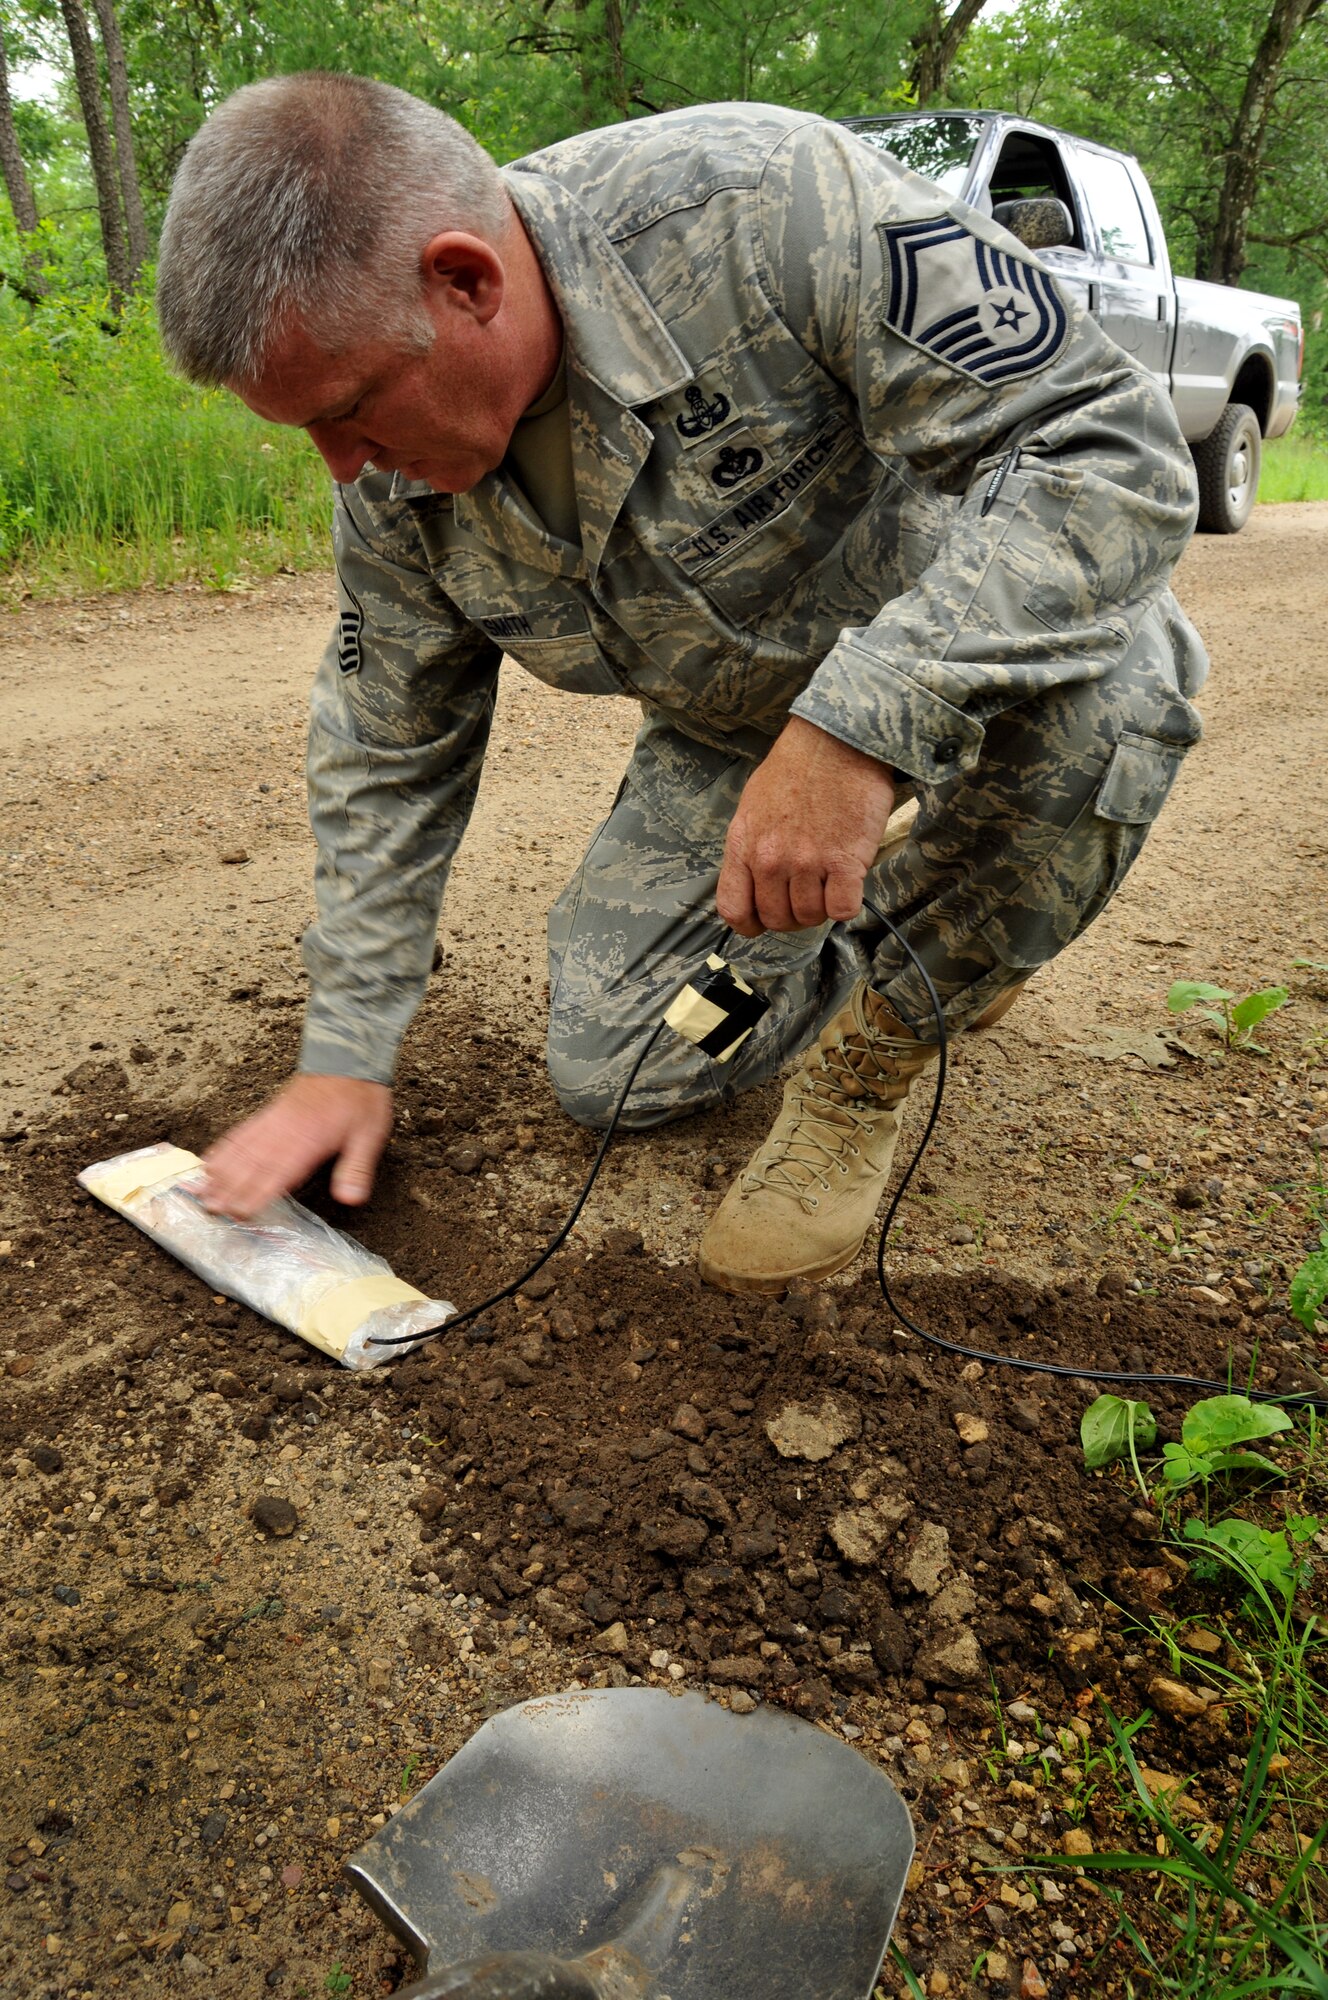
x,y
1294,468
1265,1556
1237,1019
1225,1941
113,473
338,1981
1114,1427
1210,1433
1307,1297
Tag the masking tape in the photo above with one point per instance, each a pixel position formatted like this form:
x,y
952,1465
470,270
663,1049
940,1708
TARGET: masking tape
x,y
332,1319
120,1184
694,1017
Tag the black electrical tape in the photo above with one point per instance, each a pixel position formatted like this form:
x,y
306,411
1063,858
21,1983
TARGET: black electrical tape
x,y
1297,1399
741,1009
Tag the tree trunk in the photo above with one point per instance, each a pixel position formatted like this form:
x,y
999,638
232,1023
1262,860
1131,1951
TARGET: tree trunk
x,y
1224,256
17,184
117,77
100,150
599,36
937,43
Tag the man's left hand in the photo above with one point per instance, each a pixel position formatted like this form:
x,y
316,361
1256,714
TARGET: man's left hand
x,y
807,829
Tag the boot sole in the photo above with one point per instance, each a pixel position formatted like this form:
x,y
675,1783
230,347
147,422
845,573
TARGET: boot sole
x,y
730,1281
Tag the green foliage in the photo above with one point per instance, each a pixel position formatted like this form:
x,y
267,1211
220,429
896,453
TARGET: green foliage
x,y
1237,1019
1309,1286
1258,1555
337,1982
1210,1432
1115,1427
1220,1940
114,472
1294,468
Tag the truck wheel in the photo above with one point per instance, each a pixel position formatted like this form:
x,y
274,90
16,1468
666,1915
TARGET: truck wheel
x,y
1228,466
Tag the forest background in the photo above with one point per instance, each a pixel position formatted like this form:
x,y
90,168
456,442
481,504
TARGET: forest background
x,y
114,473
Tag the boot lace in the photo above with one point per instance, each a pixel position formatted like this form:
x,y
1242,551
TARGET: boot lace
x,y
839,1101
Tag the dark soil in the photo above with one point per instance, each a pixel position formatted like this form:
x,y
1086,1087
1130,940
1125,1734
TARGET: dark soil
x,y
587,1467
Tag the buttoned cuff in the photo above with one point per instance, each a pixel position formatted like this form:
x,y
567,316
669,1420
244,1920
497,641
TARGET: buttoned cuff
x,y
864,701
331,1047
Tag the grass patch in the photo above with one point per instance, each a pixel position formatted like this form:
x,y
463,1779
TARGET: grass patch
x,y
114,474
1294,468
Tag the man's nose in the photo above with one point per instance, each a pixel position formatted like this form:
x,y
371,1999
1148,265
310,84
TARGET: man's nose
x,y
344,451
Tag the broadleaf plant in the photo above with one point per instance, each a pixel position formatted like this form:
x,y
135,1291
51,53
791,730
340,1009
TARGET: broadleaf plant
x,y
1115,1427
1210,1432
1236,1018
1308,1296
1262,1555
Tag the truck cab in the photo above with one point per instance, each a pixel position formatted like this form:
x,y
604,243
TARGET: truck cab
x,y
1230,359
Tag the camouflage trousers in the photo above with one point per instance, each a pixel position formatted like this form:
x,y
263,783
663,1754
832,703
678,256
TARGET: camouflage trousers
x,y
1004,866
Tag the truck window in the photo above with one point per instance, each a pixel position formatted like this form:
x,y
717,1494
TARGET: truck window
x,y
1110,195
940,147
1029,168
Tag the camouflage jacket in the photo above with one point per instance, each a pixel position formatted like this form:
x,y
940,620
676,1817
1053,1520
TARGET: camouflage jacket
x,y
841,449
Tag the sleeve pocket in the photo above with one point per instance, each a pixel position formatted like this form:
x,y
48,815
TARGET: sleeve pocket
x,y
1139,778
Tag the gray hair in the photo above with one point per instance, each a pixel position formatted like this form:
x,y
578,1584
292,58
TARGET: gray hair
x,y
309,199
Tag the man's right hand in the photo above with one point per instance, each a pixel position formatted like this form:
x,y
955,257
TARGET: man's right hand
x,y
315,1118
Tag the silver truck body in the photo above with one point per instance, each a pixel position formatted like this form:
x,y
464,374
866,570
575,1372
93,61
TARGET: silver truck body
x,y
1217,349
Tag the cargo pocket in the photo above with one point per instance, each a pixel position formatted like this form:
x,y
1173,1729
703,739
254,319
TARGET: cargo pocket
x,y
1139,779
1060,898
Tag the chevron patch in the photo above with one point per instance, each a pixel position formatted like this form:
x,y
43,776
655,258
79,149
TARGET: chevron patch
x,y
984,312
350,624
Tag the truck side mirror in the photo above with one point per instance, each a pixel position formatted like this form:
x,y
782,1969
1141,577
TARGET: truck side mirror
x,y
1039,225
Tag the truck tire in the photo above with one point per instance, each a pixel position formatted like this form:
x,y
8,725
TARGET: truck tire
x,y
1227,463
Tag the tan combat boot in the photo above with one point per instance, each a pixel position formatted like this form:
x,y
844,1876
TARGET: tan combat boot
x,y
804,1203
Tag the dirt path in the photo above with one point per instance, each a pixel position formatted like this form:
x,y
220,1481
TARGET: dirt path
x,y
537,1506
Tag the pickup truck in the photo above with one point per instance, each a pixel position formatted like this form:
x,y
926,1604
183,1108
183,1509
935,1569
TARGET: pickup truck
x,y
1230,359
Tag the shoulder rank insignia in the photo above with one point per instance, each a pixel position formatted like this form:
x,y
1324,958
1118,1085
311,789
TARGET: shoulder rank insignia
x,y
350,624
986,313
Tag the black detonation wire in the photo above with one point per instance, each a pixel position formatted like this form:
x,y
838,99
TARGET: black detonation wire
x,y
556,1243
1028,1367
1296,1398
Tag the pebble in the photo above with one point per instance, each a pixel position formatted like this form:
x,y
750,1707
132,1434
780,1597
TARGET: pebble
x,y
47,1458
928,1559
66,1594
811,1435
1076,1841
1174,1699
971,1429
741,1703
233,857
274,1516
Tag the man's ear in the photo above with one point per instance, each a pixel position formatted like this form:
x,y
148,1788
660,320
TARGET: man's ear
x,y
464,272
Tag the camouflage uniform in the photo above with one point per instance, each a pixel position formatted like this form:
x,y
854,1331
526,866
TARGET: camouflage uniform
x,y
842,451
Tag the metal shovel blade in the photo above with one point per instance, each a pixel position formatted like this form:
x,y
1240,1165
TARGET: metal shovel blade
x,y
629,1844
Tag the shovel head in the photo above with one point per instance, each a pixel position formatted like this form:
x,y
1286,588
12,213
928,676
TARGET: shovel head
x,y
629,1844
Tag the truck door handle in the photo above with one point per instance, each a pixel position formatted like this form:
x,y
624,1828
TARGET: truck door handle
x,y
1094,297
